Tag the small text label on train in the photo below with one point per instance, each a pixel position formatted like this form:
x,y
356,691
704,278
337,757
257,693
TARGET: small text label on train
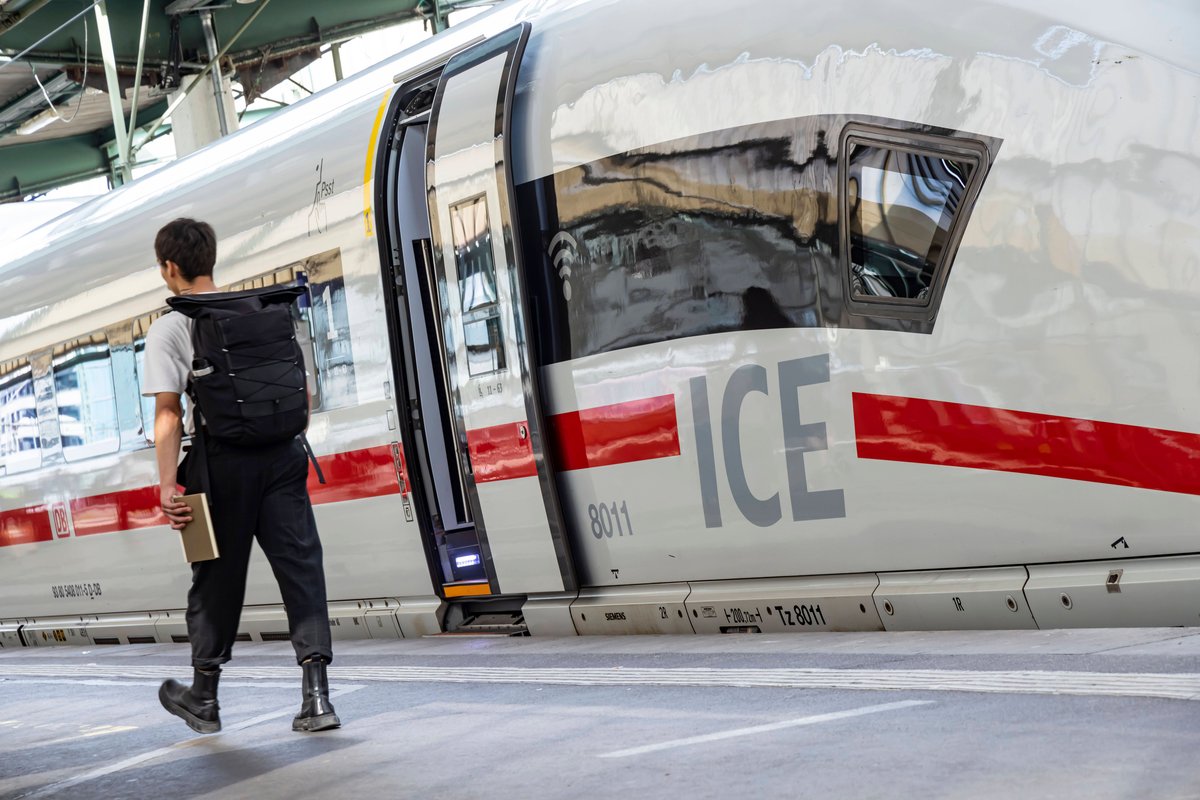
x,y
70,591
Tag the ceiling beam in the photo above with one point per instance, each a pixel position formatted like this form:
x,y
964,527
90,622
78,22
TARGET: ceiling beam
x,y
60,89
11,19
41,166
38,167
53,37
297,21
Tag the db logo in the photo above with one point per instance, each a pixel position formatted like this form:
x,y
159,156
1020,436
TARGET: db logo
x,y
60,520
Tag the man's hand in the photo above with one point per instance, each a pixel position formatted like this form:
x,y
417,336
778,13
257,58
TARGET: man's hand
x,y
168,430
178,512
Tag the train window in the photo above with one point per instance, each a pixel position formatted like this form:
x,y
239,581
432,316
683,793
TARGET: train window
x,y
20,438
901,205
140,328
902,197
749,228
86,398
476,268
329,319
721,231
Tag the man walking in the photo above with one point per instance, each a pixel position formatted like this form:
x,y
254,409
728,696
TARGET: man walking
x,y
254,492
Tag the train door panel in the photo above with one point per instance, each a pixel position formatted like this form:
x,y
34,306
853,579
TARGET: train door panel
x,y
459,559
426,378
482,304
468,392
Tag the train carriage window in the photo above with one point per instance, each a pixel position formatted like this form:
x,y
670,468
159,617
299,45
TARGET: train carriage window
x,y
901,207
722,231
20,438
902,204
476,268
328,313
141,327
817,221
86,398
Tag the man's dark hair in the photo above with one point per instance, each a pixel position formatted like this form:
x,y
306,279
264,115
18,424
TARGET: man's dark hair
x,y
191,244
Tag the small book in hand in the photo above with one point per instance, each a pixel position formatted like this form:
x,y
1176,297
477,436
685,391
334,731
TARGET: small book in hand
x,y
199,541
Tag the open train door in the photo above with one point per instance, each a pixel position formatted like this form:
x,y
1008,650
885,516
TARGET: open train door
x,y
469,388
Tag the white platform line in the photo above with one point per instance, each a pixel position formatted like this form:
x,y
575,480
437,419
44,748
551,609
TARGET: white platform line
x,y
155,682
59,786
1175,686
815,719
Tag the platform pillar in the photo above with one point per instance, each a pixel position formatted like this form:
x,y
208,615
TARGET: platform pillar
x,y
196,123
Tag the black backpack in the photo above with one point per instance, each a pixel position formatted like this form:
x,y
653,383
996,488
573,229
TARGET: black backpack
x,y
247,378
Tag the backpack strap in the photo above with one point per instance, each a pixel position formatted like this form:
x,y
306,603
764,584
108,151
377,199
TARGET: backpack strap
x,y
313,458
197,476
198,305
198,453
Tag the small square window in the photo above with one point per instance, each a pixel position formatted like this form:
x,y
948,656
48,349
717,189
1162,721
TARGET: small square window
x,y
904,200
902,205
86,398
20,439
482,333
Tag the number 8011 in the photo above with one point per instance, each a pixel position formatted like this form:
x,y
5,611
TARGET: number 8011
x,y
605,518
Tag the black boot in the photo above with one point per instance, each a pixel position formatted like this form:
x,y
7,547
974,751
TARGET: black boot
x,y
196,705
316,713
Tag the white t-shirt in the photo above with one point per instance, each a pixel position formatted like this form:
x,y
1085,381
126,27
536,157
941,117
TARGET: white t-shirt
x,y
168,359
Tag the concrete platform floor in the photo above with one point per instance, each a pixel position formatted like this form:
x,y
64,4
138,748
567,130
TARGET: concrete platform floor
x,y
1089,714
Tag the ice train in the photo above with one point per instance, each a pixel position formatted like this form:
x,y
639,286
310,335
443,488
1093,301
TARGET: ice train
x,y
669,317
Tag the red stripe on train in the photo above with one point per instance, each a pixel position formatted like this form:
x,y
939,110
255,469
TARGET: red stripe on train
x,y
638,430
349,476
500,453
952,434
25,526
117,511
354,475
594,437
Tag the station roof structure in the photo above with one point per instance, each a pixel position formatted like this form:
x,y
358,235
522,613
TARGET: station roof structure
x,y
57,67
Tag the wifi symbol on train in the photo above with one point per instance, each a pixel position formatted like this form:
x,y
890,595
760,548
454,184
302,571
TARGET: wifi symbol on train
x,y
564,252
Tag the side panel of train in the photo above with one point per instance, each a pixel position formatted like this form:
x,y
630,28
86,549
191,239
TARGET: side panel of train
x,y
1030,402
79,521
842,324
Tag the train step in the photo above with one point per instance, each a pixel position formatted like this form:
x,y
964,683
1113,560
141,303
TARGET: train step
x,y
490,623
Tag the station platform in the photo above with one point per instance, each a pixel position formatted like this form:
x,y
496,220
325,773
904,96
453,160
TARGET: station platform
x,y
1090,714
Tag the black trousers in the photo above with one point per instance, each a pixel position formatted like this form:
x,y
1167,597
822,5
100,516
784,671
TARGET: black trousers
x,y
258,493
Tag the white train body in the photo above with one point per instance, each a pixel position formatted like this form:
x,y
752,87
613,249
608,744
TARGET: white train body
x,y
800,320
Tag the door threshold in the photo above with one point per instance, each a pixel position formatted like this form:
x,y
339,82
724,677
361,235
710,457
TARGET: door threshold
x,y
467,589
503,624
